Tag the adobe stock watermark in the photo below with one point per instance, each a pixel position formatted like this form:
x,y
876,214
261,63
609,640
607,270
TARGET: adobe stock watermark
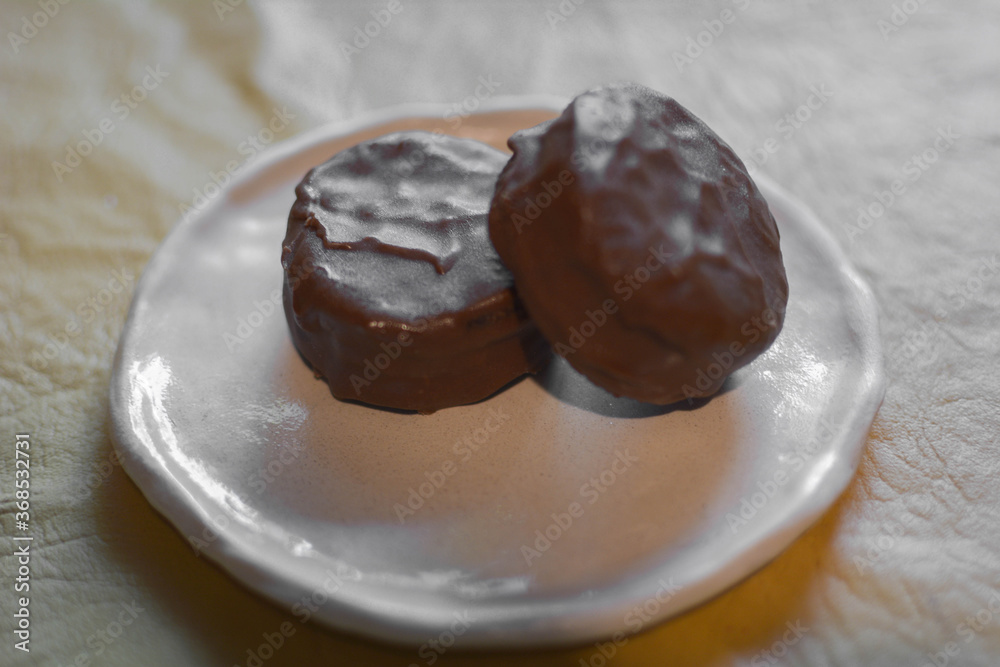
x,y
626,288
591,491
583,157
635,620
103,639
216,525
87,310
264,309
703,40
787,126
464,448
751,330
541,200
333,581
100,472
431,650
248,324
912,171
898,17
363,36
458,112
455,115
270,644
258,480
971,626
974,282
302,610
915,346
893,532
37,21
752,503
779,649
566,9
266,474
248,149
120,109
374,366
224,7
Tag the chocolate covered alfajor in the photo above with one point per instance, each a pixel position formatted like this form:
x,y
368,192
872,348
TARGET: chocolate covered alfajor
x,y
640,245
393,291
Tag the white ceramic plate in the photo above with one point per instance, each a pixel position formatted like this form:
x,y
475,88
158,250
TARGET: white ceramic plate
x,y
628,513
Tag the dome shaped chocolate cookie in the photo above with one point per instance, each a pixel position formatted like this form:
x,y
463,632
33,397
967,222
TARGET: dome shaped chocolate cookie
x,y
392,289
640,245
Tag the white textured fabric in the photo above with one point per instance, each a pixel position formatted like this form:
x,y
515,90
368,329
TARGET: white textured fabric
x,y
903,570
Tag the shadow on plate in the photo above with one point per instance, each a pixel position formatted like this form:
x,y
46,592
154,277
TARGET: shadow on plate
x,y
563,382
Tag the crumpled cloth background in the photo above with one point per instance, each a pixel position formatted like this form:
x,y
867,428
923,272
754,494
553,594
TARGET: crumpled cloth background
x,y
903,570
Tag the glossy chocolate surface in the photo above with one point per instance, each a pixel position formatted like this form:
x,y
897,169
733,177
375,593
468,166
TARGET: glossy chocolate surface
x,y
393,291
640,245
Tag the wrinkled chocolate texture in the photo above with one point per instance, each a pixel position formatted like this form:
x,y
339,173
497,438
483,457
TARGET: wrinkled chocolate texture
x,y
392,290
640,245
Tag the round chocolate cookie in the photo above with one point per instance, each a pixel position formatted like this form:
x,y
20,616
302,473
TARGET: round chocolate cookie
x,y
640,245
392,289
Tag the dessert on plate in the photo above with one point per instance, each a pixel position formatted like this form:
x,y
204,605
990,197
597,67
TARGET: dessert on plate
x,y
640,245
392,290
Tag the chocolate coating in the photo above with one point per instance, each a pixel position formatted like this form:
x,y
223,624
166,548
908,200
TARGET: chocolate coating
x,y
392,289
640,245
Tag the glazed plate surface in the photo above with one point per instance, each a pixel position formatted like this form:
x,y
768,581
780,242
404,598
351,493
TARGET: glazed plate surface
x,y
547,514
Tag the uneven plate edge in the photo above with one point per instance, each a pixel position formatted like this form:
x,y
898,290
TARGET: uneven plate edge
x,y
231,555
853,434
